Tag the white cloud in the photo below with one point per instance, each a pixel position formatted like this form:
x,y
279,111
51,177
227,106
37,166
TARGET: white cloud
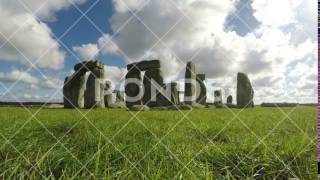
x,y
35,82
30,40
44,10
17,75
116,75
266,53
87,51
275,13
106,45
122,6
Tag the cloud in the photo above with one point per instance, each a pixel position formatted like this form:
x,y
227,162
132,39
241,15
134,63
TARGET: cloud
x,y
45,10
87,51
275,13
34,82
116,75
122,6
195,30
106,45
17,75
26,40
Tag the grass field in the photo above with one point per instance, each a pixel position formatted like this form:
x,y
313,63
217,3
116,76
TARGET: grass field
x,y
206,144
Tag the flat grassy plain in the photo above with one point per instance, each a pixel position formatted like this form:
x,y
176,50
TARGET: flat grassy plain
x,y
259,143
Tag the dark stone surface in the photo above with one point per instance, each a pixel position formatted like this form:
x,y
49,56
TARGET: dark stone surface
x,y
118,105
245,91
73,91
88,65
156,76
94,94
189,90
139,108
202,97
175,99
145,65
217,98
119,97
231,105
131,89
229,99
73,87
108,94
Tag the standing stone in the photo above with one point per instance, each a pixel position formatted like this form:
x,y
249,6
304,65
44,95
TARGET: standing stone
x,y
94,94
217,98
174,93
107,94
73,92
154,74
245,91
171,97
202,96
119,97
132,90
145,65
189,90
74,95
229,99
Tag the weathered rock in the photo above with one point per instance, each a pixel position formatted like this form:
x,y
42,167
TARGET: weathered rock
x,y
119,97
94,94
185,107
73,92
231,105
88,65
160,108
145,65
196,105
245,91
211,106
139,108
73,88
132,89
217,98
229,99
190,79
175,99
202,97
118,105
148,98
107,94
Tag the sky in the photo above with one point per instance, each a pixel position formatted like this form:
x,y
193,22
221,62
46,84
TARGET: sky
x,y
274,42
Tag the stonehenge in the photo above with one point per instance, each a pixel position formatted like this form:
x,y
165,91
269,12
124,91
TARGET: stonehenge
x,y
152,77
108,94
189,86
229,99
217,98
245,91
145,88
202,97
73,92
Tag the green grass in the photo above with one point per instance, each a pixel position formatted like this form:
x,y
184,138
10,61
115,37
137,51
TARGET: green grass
x,y
207,144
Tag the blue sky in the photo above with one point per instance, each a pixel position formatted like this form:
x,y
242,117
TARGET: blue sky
x,y
274,43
